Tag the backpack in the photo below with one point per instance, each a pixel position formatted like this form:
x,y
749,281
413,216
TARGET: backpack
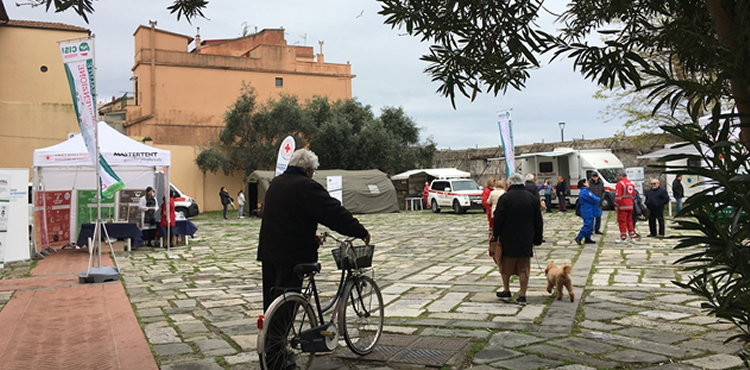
x,y
578,208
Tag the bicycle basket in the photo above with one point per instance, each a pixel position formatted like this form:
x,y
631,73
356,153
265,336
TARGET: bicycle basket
x,y
359,256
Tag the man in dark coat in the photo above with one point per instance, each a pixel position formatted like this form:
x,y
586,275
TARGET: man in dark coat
x,y
678,192
530,185
596,185
295,205
518,227
656,199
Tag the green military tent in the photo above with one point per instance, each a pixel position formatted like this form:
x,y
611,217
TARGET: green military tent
x,y
367,191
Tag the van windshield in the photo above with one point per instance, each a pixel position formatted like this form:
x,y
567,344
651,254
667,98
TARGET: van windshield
x,y
609,174
465,185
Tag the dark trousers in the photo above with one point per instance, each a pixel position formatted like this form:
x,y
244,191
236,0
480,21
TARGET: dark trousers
x,y
280,276
561,202
598,221
225,211
276,279
657,214
548,202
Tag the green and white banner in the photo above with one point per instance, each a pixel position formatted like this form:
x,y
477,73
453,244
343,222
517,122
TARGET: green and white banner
x,y
78,57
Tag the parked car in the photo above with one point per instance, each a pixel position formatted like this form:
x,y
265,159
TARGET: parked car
x,y
461,194
184,206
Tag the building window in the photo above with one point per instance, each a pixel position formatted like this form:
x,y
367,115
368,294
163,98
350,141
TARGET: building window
x,y
545,167
279,82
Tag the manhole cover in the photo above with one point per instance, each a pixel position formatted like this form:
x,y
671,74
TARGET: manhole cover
x,y
444,344
427,357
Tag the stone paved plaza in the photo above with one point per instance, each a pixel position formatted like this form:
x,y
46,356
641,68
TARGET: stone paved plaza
x,y
198,305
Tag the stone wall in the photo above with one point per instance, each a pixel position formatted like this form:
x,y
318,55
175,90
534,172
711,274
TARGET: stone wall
x,y
626,148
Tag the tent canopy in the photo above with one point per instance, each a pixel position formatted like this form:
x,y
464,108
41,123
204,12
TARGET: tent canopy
x,y
441,173
367,191
674,149
116,148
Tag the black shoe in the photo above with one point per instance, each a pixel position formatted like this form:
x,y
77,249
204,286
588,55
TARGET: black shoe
x,y
598,232
504,295
521,300
589,241
579,240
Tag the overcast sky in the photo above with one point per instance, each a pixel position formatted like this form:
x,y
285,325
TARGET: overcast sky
x,y
385,62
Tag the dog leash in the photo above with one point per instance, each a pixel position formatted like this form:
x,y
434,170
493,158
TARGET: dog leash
x,y
536,257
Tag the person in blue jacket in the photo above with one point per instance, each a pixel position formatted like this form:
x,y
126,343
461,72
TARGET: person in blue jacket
x,y
589,211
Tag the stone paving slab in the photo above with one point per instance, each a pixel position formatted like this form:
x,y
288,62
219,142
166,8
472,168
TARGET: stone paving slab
x,y
206,297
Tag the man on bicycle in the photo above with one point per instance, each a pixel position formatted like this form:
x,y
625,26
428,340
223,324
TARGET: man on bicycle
x,y
295,205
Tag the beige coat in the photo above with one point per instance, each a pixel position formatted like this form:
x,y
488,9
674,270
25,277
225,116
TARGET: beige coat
x,y
494,197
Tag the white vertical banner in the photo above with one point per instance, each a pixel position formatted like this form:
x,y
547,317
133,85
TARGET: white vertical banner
x,y
506,137
285,154
78,57
4,211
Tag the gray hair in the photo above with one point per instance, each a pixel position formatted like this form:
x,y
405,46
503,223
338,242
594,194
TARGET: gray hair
x,y
529,177
623,173
305,159
515,179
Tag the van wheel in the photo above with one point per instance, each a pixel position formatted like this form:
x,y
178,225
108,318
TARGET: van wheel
x,y
457,208
434,207
181,212
605,203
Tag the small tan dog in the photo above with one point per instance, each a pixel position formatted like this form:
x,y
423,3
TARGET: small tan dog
x,y
559,277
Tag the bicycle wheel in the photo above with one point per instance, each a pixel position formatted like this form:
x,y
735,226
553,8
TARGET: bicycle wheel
x,y
278,343
361,314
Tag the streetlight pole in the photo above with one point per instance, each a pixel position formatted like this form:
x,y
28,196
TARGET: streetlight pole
x,y
562,130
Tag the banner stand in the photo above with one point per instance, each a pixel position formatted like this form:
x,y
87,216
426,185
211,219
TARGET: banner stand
x,y
78,58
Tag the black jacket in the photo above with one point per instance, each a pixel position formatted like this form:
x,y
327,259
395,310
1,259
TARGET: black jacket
x,y
677,190
561,189
518,222
295,205
531,187
225,198
597,187
656,198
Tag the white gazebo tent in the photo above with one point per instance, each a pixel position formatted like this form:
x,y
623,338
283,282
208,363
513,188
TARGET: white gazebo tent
x,y
67,165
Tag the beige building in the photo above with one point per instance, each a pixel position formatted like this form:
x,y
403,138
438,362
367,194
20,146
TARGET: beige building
x,y
36,109
181,96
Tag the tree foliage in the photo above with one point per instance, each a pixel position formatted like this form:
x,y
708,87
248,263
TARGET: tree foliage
x,y
718,220
345,134
494,45
190,9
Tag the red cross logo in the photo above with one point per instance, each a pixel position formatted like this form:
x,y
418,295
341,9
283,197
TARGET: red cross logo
x,y
287,148
47,157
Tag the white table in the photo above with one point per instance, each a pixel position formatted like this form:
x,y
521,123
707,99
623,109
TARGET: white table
x,y
412,203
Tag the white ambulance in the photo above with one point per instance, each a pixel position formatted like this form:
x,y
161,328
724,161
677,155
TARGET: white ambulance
x,y
573,165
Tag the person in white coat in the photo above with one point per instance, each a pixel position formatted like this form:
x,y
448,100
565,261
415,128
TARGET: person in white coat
x,y
148,207
241,204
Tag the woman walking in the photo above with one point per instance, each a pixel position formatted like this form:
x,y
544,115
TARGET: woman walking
x,y
241,204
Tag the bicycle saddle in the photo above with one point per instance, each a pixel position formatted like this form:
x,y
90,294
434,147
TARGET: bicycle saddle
x,y
307,268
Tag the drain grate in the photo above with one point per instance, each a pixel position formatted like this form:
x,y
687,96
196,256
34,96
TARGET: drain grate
x,y
397,340
426,357
379,353
444,344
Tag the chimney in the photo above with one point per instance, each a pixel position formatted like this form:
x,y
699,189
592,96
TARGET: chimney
x,y
321,59
198,40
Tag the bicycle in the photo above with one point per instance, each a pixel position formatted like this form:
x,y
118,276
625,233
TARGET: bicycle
x,y
289,334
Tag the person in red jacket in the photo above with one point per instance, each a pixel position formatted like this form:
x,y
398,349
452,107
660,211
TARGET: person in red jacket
x,y
624,196
172,222
489,186
425,192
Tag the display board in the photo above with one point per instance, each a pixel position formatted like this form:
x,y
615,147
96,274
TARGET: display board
x,y
128,206
14,215
4,211
87,208
57,212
